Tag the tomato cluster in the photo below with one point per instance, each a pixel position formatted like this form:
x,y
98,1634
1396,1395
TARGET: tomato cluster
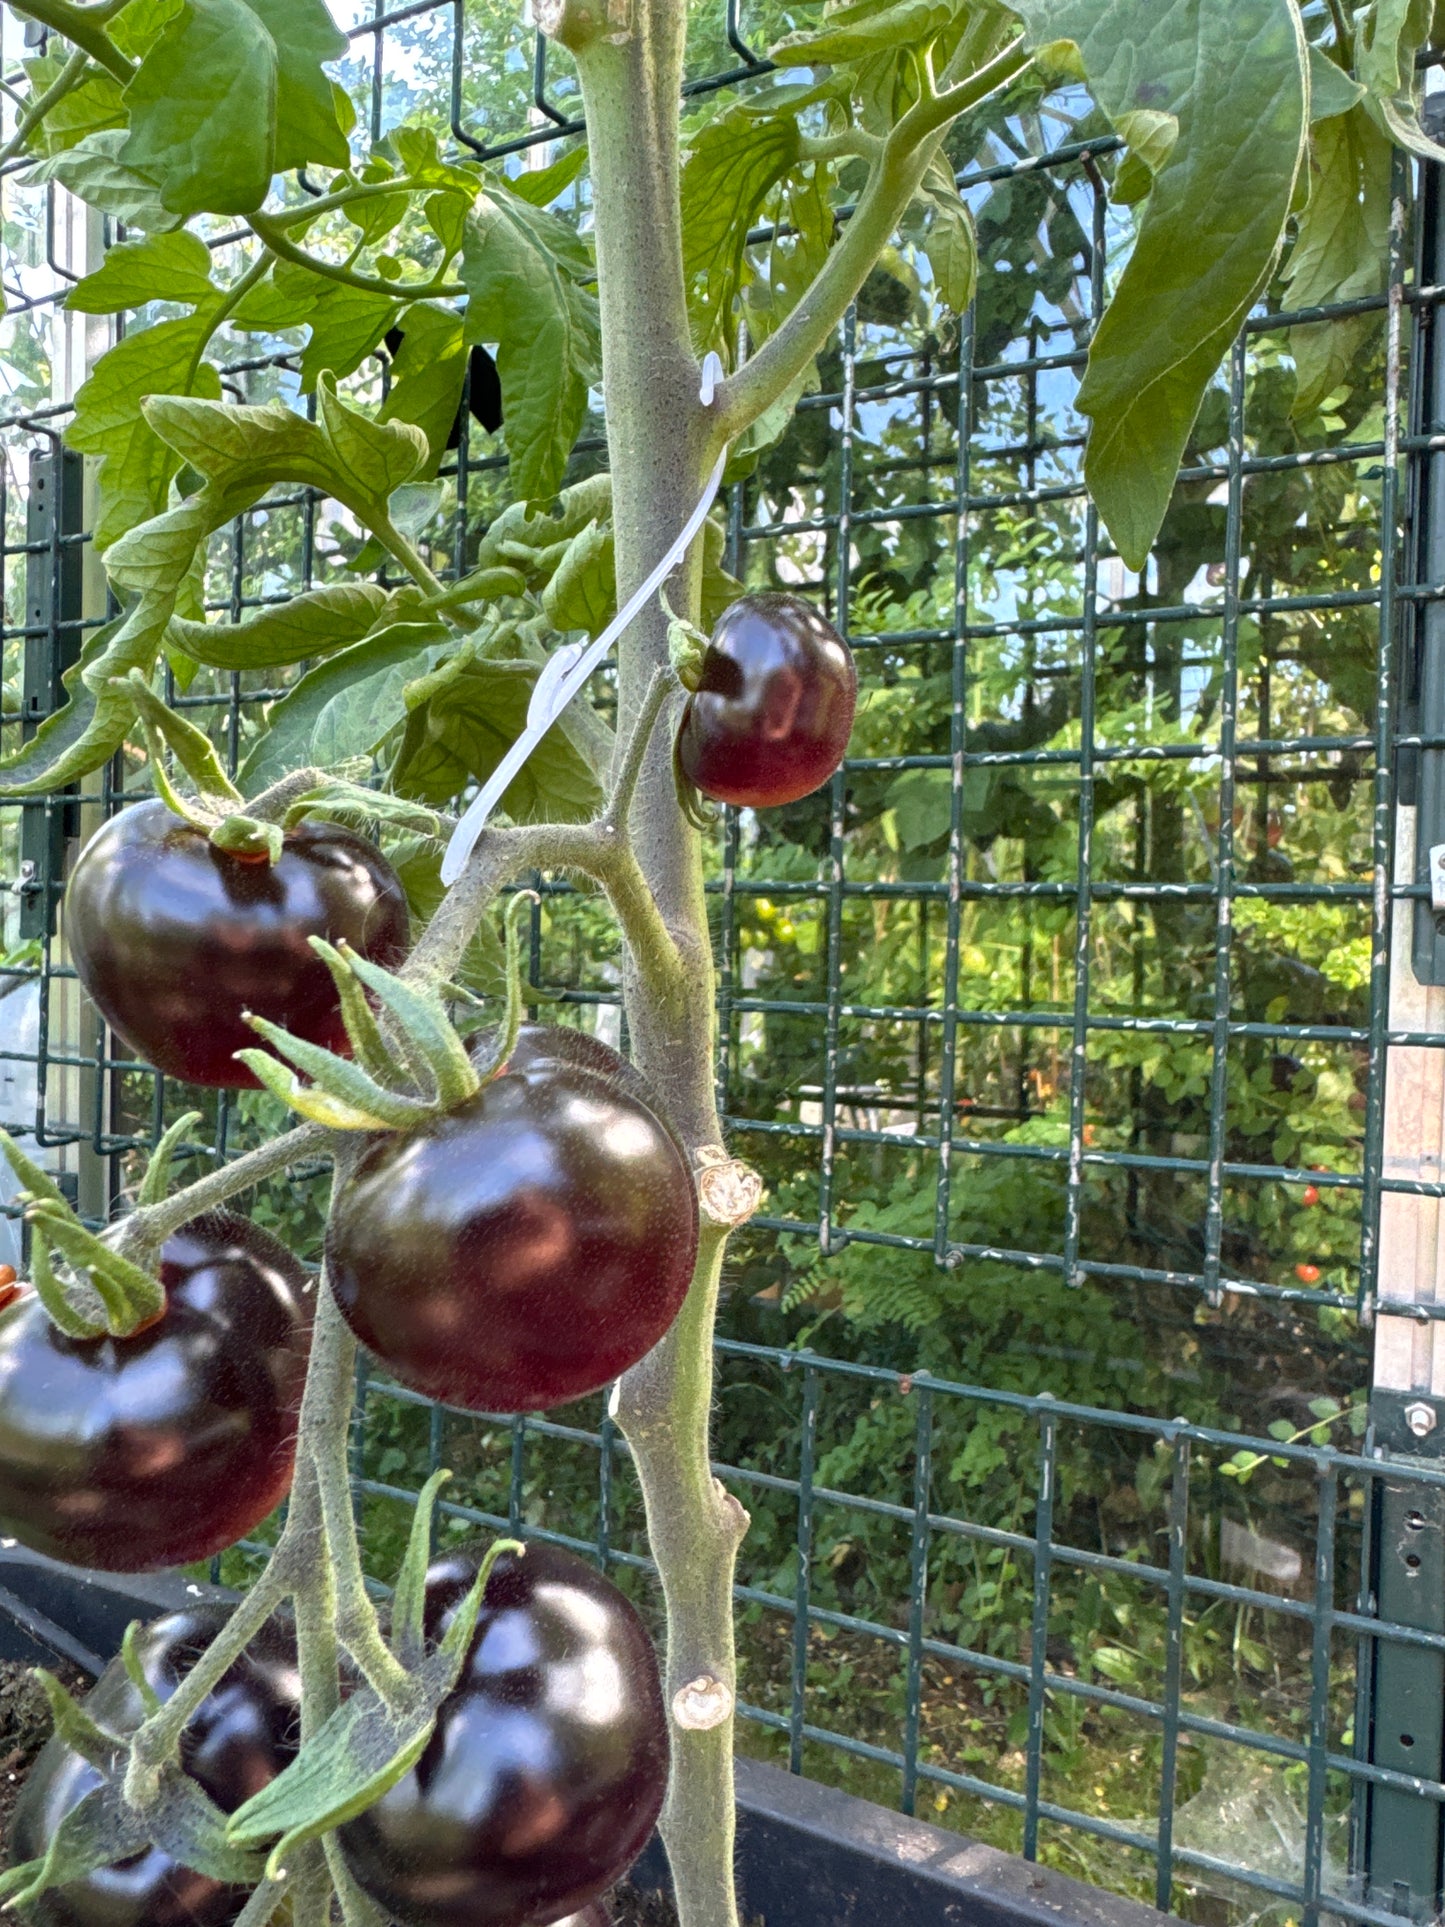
x,y
544,1777
526,1247
173,938
243,1735
165,1447
771,715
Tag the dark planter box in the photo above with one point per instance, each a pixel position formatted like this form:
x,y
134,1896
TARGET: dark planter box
x,y
808,1856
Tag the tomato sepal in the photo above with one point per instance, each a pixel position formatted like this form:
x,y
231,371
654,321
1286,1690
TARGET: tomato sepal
x,y
130,1297
75,1725
156,1181
334,1077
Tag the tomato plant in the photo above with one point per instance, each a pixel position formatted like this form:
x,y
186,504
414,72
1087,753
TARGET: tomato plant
x,y
240,1737
140,1452
545,1774
527,1246
174,938
519,1222
770,717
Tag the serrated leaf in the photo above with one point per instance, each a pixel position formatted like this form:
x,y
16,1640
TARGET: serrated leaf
x,y
109,420
524,298
427,372
164,267
1332,90
93,172
347,706
314,624
873,26
1235,74
1341,251
732,165
543,187
307,128
582,593
203,110
466,726
951,243
138,26
94,106
1388,36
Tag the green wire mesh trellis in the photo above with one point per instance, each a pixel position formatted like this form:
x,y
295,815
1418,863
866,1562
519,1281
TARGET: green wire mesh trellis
x,y
1038,1022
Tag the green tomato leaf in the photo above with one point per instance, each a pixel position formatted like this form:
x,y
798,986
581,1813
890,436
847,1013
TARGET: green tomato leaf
x,y
96,104
524,297
543,187
203,110
732,164
465,726
166,267
109,421
1332,91
95,174
426,376
871,27
1234,74
951,243
1387,38
307,128
347,706
1341,251
315,624
582,593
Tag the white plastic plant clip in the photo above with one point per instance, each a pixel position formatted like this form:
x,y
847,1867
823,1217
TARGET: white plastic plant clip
x,y
569,669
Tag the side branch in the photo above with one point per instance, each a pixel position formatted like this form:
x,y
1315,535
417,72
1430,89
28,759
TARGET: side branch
x,y
892,183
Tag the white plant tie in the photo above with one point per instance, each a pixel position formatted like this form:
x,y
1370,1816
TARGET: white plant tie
x,y
568,669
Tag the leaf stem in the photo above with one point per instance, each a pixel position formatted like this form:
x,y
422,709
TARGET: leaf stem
x,y
150,1226
65,82
82,27
232,301
892,183
438,288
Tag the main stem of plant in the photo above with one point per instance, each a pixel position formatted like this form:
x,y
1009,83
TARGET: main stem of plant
x,y
661,445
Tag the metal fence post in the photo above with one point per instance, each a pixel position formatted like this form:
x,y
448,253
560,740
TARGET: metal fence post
x,y
1402,1701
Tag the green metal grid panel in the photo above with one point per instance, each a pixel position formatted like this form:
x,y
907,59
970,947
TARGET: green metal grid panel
x,y
906,1629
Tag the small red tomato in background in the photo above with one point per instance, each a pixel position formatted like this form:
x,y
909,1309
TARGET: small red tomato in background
x,y
173,938
1307,1274
544,1777
770,719
137,1453
241,1737
529,1245
1311,1194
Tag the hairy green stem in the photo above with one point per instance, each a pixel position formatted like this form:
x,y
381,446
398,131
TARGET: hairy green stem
x,y
83,27
273,234
662,444
233,298
150,1226
892,182
65,82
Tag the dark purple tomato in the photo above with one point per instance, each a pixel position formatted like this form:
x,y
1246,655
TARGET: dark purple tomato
x,y
137,1453
770,720
173,939
539,1045
545,1775
238,1741
526,1247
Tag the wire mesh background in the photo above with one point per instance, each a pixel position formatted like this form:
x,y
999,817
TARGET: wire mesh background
x,y
1057,1026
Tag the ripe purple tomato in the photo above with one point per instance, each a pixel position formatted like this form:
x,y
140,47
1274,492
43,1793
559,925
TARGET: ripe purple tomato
x,y
173,939
526,1247
770,720
244,1733
545,1775
137,1453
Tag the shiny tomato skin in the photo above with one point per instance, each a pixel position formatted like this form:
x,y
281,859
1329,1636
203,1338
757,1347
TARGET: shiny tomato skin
x,y
523,1249
133,1454
173,939
545,1775
244,1733
540,1045
770,720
